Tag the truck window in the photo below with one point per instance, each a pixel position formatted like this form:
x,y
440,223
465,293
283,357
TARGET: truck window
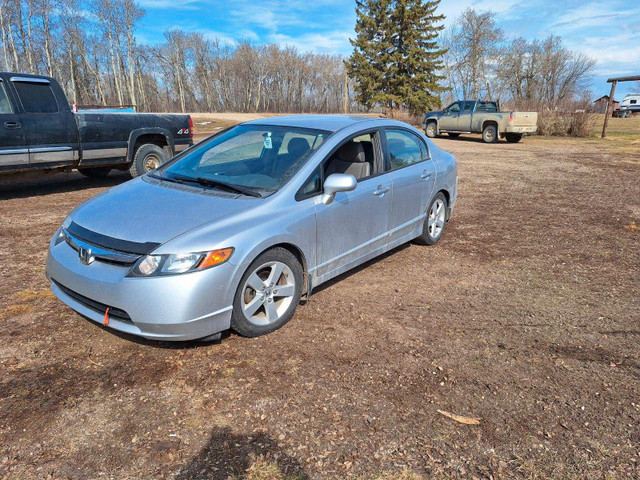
x,y
453,108
487,107
467,107
5,106
633,102
36,97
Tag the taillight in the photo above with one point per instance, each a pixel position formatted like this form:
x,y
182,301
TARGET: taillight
x,y
511,118
190,127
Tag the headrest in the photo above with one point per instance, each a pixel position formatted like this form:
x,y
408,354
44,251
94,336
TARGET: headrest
x,y
298,146
352,152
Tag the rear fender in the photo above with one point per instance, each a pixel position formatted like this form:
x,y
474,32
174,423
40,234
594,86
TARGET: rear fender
x,y
136,134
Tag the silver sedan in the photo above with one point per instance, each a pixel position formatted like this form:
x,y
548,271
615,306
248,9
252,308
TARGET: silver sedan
x,y
234,231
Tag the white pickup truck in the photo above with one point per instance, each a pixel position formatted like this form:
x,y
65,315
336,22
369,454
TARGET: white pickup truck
x,y
476,116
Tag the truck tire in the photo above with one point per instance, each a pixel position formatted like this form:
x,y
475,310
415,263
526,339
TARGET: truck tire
x,y
95,172
146,158
490,134
513,137
431,130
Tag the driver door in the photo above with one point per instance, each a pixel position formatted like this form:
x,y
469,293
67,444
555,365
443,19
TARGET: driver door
x,y
356,224
449,120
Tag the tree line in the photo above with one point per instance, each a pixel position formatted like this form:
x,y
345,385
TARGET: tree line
x,y
402,60
90,47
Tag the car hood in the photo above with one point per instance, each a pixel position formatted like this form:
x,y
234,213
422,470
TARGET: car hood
x,y
148,211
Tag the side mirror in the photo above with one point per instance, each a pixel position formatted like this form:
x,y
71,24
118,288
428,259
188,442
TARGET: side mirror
x,y
337,182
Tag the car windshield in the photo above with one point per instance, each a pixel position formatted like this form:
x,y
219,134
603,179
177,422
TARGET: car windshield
x,y
246,158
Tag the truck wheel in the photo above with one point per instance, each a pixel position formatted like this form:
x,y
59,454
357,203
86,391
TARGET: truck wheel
x,y
431,130
95,172
146,158
453,135
513,137
490,134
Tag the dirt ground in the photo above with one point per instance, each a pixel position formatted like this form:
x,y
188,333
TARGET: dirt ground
x,y
526,315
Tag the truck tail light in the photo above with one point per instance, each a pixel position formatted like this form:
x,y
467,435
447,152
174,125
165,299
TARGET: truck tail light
x,y
511,118
190,127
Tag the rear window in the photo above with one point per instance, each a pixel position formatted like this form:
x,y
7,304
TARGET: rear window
x,y
5,106
487,107
36,97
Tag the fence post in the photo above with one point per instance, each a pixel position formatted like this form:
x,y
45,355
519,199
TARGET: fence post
x,y
609,106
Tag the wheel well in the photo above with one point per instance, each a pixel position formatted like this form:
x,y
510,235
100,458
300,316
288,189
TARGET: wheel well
x,y
154,138
301,258
448,199
489,122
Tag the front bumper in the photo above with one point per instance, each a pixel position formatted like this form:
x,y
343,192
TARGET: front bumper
x,y
178,307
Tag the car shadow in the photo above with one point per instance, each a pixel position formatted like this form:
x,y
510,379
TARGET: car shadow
x,y
228,455
472,139
33,184
359,268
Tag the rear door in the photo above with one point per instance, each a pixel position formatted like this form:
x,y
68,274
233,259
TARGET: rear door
x,y
13,144
464,120
51,130
413,176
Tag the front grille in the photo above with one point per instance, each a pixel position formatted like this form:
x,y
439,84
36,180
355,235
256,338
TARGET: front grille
x,y
115,313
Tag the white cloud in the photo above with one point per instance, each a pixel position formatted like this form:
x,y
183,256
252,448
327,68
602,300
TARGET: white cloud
x,y
162,4
326,42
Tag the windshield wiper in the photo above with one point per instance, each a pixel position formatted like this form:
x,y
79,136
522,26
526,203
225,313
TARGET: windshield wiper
x,y
209,182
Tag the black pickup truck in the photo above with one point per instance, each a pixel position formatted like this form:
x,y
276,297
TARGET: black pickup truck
x,y
38,130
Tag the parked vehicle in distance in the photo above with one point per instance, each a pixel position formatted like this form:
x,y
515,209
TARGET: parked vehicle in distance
x,y
630,103
38,130
231,233
479,116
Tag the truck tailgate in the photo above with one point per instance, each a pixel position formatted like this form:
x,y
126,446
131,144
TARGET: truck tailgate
x,y
523,122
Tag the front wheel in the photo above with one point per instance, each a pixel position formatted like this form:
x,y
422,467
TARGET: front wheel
x,y
148,157
431,130
435,222
268,293
490,134
513,137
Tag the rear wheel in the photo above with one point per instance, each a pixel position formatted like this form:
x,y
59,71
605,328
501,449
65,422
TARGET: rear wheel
x,y
453,135
431,130
147,158
513,137
490,134
268,293
95,172
435,222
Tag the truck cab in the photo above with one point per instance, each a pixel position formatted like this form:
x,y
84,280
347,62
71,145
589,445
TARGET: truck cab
x,y
37,127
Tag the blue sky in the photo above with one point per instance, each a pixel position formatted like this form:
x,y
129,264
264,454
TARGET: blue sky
x,y
608,31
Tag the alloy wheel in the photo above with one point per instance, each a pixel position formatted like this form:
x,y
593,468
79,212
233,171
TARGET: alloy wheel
x,y
268,293
435,224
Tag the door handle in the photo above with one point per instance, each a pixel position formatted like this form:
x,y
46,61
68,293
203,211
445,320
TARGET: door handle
x,y
425,175
12,125
381,190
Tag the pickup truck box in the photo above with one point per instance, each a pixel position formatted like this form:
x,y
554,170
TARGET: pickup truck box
x,y
475,116
38,130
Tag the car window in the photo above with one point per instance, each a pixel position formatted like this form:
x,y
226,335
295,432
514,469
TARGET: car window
x,y
454,108
467,107
405,148
261,157
633,102
5,106
36,97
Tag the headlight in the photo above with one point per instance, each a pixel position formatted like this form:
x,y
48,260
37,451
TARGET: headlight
x,y
60,236
152,265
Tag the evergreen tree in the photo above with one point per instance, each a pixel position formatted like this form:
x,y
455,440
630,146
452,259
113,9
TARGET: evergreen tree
x,y
396,55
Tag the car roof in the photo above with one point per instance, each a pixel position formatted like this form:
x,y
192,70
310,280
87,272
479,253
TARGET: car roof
x,y
330,123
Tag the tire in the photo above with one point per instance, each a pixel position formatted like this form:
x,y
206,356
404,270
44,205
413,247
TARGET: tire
x,y
431,130
453,135
261,310
432,231
146,158
513,137
490,134
95,172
